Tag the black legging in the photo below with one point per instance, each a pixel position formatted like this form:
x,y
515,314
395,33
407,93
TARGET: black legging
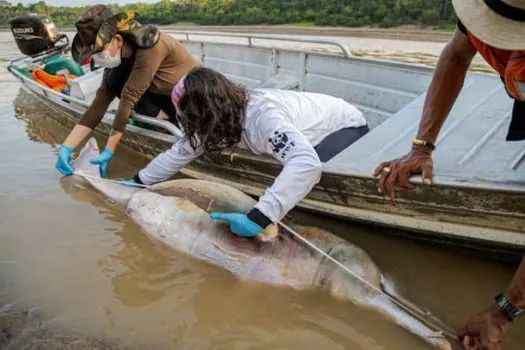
x,y
516,130
338,141
517,123
150,104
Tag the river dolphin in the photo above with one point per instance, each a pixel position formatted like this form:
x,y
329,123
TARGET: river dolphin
x,y
177,214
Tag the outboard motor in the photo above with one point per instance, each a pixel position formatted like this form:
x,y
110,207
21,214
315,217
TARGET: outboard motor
x,y
35,34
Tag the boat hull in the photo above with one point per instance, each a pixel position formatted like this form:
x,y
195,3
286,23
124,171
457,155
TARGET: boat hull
x,y
481,218
478,196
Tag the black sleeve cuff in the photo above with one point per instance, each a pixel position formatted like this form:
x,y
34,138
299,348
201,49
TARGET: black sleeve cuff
x,y
462,27
137,179
259,218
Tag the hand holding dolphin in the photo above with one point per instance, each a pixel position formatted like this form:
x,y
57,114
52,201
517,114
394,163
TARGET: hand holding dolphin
x,y
65,158
239,223
103,160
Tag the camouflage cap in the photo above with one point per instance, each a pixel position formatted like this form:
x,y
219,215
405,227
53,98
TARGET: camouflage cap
x,y
97,27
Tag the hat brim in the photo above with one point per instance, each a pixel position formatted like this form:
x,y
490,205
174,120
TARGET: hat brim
x,y
491,28
79,51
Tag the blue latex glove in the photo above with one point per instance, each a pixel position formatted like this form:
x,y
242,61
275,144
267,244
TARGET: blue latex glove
x,y
239,223
65,157
131,182
103,160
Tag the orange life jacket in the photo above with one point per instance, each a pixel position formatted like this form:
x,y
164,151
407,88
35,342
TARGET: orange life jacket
x,y
509,64
55,82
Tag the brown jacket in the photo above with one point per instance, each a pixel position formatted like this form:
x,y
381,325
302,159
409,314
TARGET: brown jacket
x,y
156,69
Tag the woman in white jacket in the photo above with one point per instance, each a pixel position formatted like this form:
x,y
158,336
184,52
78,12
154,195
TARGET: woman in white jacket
x,y
302,130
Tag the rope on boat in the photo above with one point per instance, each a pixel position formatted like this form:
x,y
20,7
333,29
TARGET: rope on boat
x,y
414,313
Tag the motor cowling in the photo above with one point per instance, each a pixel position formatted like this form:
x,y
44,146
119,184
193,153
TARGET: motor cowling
x,y
34,33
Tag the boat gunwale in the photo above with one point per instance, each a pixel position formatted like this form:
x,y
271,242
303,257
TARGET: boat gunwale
x,y
109,115
313,204
441,230
439,179
358,58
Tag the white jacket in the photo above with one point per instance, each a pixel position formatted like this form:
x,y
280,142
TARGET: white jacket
x,y
285,124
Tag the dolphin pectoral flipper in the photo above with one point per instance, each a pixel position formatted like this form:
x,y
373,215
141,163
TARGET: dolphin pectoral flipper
x,y
225,198
82,164
201,200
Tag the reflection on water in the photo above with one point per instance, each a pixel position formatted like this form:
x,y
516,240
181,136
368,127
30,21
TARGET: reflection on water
x,y
140,266
91,276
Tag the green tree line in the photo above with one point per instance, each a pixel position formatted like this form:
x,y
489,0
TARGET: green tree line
x,y
350,13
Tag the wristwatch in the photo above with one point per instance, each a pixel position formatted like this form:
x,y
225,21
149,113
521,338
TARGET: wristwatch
x,y
509,310
423,143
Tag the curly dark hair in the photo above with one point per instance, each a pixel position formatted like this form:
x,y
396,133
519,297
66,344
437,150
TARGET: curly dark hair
x,y
212,110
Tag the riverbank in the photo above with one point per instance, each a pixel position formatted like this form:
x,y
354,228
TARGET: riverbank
x,y
407,44
409,33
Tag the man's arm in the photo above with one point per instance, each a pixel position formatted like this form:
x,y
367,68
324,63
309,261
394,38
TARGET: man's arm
x,y
446,85
487,329
444,89
91,117
516,289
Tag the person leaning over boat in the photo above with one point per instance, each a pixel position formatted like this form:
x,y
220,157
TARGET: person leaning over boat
x,y
299,129
495,29
141,67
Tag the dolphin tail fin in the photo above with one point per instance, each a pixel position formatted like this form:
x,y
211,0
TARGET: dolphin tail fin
x,y
82,165
113,190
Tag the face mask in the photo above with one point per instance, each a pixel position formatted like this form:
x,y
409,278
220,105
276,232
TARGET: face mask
x,y
104,59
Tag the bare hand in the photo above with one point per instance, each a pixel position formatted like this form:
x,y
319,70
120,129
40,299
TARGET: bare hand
x,y
484,331
400,170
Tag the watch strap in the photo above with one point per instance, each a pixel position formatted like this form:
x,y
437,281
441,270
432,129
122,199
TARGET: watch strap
x,y
509,310
423,143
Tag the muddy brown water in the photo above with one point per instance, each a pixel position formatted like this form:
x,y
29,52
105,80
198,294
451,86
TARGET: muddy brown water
x,y
76,273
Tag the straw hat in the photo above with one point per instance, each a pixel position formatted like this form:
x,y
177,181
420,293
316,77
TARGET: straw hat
x,y
498,23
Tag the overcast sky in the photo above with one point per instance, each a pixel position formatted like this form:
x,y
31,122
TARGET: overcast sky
x,y
79,2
